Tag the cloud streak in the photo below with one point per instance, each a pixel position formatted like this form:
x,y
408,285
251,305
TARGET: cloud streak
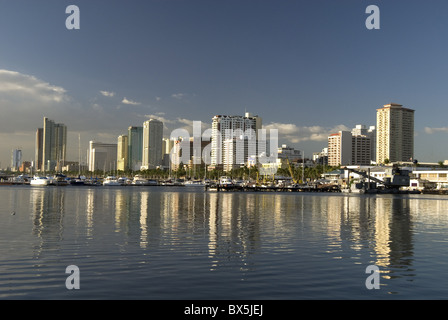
x,y
429,130
15,86
25,100
293,133
130,102
107,93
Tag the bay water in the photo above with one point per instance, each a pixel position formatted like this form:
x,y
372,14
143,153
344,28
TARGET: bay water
x,y
177,243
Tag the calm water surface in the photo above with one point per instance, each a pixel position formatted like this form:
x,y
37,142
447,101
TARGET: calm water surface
x,y
176,243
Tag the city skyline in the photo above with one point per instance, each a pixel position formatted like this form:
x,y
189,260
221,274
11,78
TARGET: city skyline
x,y
307,69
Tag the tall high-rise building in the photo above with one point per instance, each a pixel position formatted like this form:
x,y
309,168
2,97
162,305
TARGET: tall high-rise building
x,y
16,159
167,146
395,133
38,149
122,153
152,144
230,127
54,145
135,147
340,148
349,148
362,130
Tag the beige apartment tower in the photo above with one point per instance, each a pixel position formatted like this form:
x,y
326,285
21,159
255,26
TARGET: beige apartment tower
x,y
395,133
122,153
152,144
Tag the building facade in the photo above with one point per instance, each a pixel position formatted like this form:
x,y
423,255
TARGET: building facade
x,y
229,127
290,153
102,156
362,130
340,148
54,145
16,159
236,152
135,147
346,148
361,150
122,153
395,133
167,147
38,149
152,144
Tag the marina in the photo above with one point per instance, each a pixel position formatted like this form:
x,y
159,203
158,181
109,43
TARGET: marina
x,y
350,180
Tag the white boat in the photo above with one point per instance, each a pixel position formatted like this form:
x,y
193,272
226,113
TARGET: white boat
x,y
225,181
124,181
194,183
139,181
39,181
111,181
58,180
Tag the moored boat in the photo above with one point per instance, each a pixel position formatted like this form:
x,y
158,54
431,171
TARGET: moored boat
x,y
111,181
39,181
139,181
225,181
194,183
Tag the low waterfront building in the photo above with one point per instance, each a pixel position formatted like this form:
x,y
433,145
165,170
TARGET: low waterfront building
x,y
430,179
102,156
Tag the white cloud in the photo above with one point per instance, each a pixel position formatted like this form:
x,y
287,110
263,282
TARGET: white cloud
x,y
130,102
15,86
178,123
429,130
295,134
159,116
178,96
107,93
25,100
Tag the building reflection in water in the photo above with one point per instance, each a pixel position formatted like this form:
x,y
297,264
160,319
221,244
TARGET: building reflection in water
x,y
48,209
144,208
233,226
381,225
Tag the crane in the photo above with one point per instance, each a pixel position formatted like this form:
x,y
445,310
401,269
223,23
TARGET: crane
x,y
291,172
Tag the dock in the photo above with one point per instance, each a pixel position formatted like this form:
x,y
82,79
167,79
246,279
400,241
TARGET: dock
x,y
240,188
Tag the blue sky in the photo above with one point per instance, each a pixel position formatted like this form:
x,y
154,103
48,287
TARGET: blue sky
x,y
308,68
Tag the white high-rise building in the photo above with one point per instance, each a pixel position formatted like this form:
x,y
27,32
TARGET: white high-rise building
x,y
102,156
152,144
229,127
236,152
395,133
